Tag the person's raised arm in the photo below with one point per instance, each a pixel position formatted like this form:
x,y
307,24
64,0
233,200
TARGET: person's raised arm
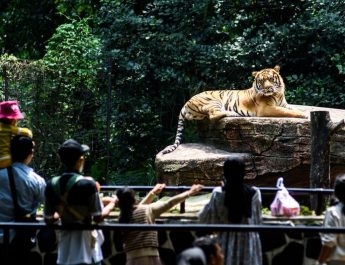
x,y
157,189
165,206
109,204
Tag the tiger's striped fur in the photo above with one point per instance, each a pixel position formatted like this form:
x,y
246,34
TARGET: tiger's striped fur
x,y
266,98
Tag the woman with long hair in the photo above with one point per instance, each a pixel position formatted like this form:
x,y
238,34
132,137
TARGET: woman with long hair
x,y
141,247
235,203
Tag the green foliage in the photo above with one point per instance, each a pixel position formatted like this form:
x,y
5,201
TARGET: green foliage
x,y
59,93
265,211
77,8
304,210
71,65
159,62
26,25
118,77
165,51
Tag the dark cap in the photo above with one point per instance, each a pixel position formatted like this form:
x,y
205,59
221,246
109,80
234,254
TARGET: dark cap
x,y
74,146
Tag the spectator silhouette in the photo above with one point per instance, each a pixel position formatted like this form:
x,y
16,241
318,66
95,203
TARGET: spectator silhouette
x,y
333,245
74,199
235,203
28,189
141,247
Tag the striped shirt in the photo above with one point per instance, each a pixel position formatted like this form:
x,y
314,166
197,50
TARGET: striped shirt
x,y
145,243
140,239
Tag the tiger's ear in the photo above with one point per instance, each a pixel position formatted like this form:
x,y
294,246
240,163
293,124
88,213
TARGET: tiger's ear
x,y
254,73
277,68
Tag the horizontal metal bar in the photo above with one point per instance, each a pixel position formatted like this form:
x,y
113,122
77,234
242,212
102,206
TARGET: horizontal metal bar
x,y
178,227
210,188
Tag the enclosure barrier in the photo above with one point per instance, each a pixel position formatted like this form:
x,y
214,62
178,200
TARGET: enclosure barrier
x,y
319,191
7,226
210,188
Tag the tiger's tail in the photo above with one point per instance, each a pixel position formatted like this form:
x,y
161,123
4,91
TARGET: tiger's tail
x,y
178,138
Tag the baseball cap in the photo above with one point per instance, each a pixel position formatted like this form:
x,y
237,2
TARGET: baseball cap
x,y
73,146
10,110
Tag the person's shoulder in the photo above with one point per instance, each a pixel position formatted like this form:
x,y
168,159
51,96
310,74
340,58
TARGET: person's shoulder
x,y
29,171
144,207
3,171
37,177
87,183
217,190
255,188
86,180
335,210
257,192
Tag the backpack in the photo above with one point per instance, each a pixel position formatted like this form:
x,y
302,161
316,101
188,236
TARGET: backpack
x,y
63,205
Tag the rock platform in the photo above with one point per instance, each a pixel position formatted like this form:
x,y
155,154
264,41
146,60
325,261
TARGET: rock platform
x,y
271,148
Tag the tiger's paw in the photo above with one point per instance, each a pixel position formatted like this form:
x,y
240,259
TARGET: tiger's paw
x,y
305,116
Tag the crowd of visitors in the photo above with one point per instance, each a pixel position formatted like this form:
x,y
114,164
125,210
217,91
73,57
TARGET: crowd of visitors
x,y
74,199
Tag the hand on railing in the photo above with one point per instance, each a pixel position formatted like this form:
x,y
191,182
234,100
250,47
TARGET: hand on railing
x,y
158,189
195,189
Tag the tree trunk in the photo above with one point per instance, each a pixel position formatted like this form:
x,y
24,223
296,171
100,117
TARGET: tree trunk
x,y
322,129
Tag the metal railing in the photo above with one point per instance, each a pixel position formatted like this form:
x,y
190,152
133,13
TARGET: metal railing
x,y
6,226
210,188
320,192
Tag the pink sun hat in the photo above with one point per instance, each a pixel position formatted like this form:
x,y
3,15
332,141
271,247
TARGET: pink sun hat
x,y
10,110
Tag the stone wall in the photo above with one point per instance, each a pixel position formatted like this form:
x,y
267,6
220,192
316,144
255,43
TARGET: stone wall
x,y
271,147
278,248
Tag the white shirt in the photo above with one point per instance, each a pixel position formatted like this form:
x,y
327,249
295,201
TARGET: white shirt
x,y
335,218
75,247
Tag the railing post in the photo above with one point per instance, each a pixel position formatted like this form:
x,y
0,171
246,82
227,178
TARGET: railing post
x,y
183,207
6,242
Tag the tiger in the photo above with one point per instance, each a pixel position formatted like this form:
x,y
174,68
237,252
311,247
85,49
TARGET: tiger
x,y
266,98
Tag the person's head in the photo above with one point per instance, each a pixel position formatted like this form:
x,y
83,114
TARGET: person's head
x,y
234,171
126,202
238,195
211,248
22,149
339,189
191,256
72,154
10,112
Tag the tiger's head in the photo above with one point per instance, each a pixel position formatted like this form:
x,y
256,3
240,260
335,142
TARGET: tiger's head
x,y
268,81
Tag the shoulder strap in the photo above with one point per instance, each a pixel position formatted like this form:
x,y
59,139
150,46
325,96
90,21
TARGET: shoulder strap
x,y
70,183
63,197
13,190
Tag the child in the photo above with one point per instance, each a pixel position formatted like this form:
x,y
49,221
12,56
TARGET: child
x,y
9,115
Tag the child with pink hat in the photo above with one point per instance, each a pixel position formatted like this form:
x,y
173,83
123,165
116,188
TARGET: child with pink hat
x,y
9,115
